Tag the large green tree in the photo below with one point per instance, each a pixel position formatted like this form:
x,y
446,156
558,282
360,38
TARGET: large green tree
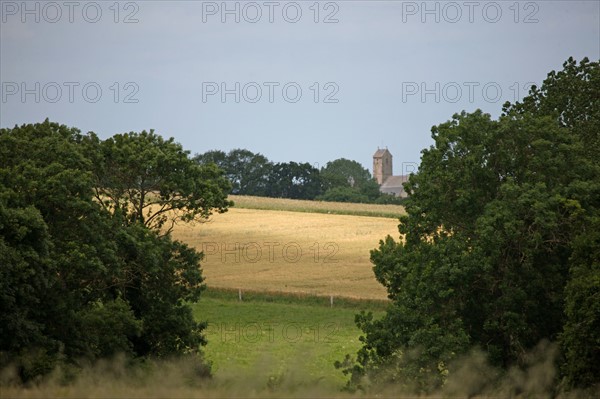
x,y
79,282
581,336
571,96
347,181
56,252
153,181
487,246
344,173
248,172
294,180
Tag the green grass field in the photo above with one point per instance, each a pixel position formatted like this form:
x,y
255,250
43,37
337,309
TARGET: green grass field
x,y
280,339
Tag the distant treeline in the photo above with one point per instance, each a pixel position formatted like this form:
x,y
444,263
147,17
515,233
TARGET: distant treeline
x,y
341,180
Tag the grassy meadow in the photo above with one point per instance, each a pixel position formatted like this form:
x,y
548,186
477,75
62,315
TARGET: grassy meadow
x,y
290,251
280,339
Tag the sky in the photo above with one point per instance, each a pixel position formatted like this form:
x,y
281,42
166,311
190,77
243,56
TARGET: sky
x,y
305,81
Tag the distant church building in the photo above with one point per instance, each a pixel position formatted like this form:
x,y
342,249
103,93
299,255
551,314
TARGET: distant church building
x,y
382,172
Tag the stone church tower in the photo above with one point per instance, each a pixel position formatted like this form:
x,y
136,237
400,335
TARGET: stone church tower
x,y
382,165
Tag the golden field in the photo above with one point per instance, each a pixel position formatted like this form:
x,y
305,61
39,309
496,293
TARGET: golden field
x,y
340,208
290,251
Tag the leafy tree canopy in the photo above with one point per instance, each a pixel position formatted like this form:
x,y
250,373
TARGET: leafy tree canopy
x,y
491,239
347,181
153,181
80,281
248,172
294,180
253,174
344,173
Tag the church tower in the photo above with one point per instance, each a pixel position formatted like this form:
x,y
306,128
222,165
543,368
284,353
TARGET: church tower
x,y
382,165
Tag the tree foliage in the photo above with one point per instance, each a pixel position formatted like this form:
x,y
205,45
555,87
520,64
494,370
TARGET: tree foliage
x,y
254,174
294,180
347,181
581,338
80,281
572,97
344,173
492,236
153,181
248,172
341,180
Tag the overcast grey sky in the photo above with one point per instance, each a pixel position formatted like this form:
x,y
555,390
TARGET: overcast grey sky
x,y
296,81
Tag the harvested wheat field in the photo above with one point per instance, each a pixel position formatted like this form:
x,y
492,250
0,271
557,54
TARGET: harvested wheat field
x,y
311,206
283,251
